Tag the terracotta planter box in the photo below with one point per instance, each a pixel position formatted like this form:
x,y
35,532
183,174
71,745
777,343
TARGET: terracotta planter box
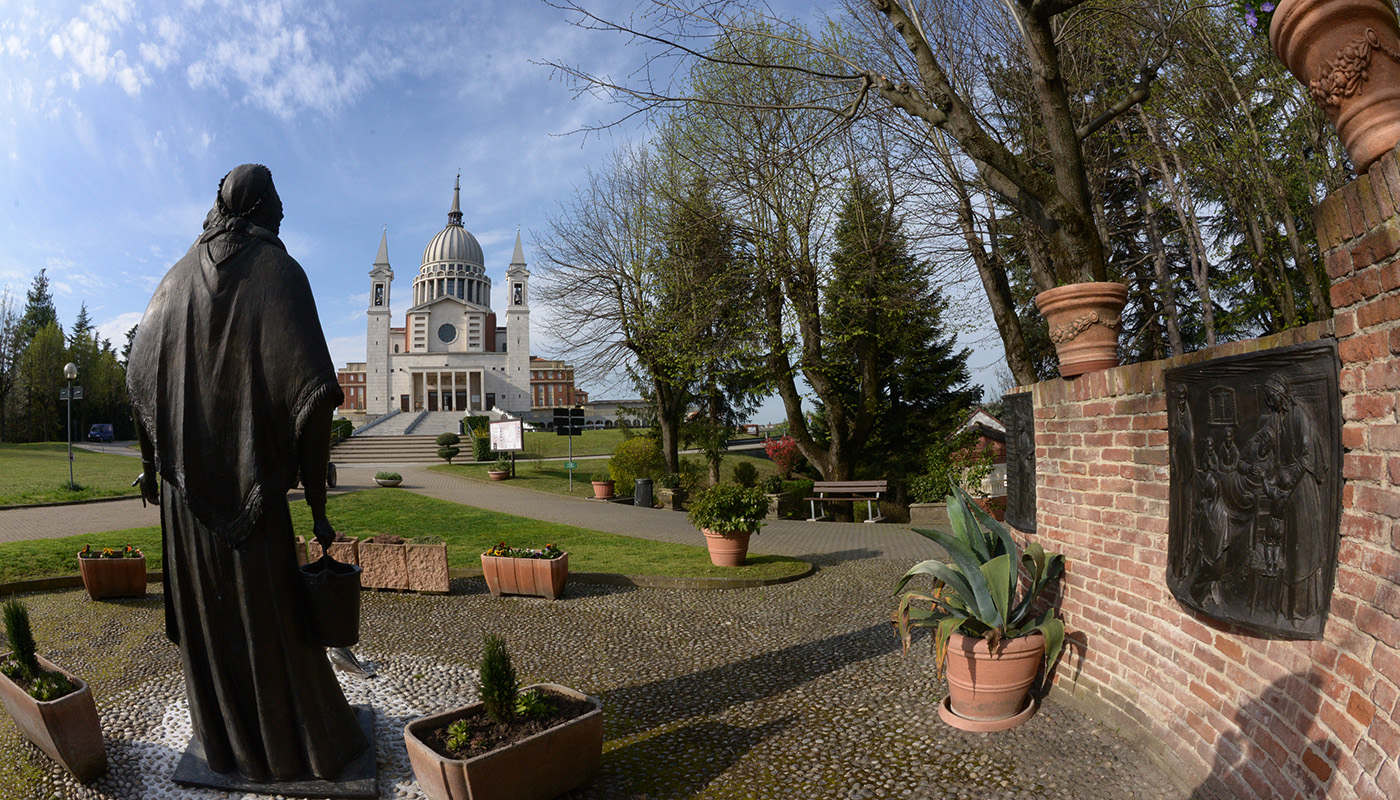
x,y
602,490
384,566
533,576
67,729
498,474
427,568
543,766
671,498
347,551
113,577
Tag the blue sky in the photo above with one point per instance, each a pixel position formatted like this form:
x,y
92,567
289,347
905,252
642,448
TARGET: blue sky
x,y
118,118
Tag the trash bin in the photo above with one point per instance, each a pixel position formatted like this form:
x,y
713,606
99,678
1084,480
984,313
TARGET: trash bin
x,y
641,496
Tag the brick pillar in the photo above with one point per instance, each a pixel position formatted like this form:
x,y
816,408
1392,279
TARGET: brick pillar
x,y
1359,235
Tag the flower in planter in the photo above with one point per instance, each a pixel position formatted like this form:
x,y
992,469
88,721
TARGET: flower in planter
x,y
1256,15
503,550
110,552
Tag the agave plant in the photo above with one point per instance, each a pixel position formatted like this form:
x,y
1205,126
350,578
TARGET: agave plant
x,y
979,592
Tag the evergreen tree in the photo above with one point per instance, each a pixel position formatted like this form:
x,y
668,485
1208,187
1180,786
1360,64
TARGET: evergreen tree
x,y
82,326
9,357
886,331
41,374
126,348
39,310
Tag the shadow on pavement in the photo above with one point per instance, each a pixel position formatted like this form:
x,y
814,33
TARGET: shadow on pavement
x,y
680,762
638,708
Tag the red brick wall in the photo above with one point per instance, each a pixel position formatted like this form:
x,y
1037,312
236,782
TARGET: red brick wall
x,y
1244,715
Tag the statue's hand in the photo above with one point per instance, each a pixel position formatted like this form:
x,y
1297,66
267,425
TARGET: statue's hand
x,y
324,533
149,482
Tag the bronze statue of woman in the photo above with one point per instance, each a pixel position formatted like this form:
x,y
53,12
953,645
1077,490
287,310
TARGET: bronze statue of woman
x,y
234,390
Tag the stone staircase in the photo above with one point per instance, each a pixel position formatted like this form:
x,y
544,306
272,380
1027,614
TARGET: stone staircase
x,y
396,425
433,423
387,450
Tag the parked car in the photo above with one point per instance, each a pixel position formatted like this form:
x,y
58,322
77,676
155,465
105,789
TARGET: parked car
x,y
100,432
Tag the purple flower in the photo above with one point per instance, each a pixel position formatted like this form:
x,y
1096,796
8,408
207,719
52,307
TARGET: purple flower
x,y
1267,8
1250,18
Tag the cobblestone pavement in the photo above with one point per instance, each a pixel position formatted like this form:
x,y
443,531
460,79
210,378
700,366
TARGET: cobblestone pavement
x,y
790,691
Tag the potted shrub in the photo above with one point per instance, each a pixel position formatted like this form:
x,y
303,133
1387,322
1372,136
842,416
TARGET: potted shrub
x,y
602,485
383,562
516,570
52,708
1344,52
728,515
427,565
518,743
345,549
669,492
500,469
387,478
113,572
986,630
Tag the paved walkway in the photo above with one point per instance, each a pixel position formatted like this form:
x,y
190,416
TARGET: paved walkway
x,y
831,540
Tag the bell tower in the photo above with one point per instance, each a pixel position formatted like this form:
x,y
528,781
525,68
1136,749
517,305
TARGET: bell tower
x,y
377,368
518,330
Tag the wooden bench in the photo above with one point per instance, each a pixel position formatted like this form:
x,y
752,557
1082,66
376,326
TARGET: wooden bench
x,y
847,492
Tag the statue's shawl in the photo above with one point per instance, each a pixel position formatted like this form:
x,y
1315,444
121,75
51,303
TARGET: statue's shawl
x,y
227,365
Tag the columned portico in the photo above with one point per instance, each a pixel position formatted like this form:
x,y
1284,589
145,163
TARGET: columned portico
x,y
447,390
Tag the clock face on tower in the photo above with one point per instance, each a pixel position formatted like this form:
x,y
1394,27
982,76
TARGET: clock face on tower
x,y
447,333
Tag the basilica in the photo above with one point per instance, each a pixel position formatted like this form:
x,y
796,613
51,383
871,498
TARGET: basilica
x,y
452,352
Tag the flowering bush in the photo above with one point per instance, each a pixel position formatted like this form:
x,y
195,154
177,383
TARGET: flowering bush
x,y
549,551
110,552
1256,15
784,455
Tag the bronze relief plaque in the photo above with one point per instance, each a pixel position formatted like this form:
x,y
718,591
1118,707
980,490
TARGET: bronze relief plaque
x,y
1255,446
1018,412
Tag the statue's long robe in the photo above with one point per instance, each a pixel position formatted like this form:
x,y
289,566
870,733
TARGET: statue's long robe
x,y
226,369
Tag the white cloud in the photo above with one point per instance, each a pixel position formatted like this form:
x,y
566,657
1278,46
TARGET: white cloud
x,y
345,349
86,42
116,328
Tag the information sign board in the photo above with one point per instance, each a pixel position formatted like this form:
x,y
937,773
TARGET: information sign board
x,y
507,436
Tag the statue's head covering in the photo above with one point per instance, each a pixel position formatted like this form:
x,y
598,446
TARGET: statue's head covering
x,y
246,197
1277,385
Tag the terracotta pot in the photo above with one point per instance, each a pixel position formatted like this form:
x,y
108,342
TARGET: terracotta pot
x,y
543,766
498,474
385,566
602,490
727,549
1084,319
67,729
347,551
427,568
990,687
541,577
1347,52
113,577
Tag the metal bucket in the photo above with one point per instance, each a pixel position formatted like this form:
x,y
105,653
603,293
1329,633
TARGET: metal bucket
x,y
332,592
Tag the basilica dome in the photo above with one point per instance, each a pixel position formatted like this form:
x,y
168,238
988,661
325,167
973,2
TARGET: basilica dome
x,y
453,264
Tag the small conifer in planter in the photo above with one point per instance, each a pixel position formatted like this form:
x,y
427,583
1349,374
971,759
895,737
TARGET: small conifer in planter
x,y
52,708
520,743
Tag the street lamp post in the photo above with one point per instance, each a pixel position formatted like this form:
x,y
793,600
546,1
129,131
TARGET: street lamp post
x,y
70,371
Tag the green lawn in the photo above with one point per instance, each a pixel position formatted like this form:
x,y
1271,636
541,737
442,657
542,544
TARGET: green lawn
x,y
551,476
468,532
548,444
38,473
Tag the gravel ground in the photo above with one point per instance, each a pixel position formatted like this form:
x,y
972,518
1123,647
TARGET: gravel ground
x,y
796,690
